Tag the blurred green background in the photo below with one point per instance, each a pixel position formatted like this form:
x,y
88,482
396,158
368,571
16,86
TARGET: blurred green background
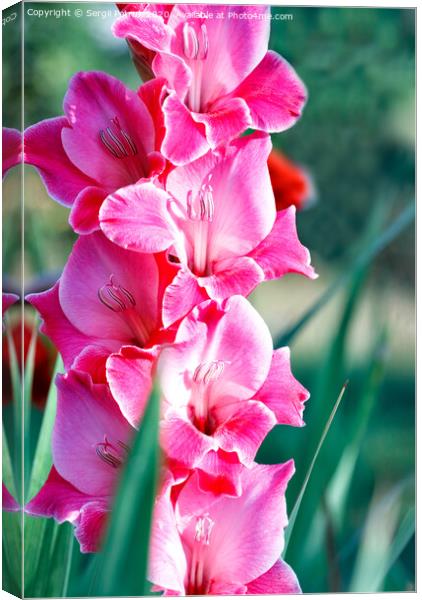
x,y
355,527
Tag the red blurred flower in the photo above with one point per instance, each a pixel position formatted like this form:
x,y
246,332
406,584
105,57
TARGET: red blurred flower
x,y
291,184
43,367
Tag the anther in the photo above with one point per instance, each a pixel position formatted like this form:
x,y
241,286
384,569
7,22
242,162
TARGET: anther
x,y
117,141
208,371
195,47
110,454
201,207
115,297
203,528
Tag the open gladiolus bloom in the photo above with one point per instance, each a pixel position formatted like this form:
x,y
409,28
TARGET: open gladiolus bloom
x,y
173,204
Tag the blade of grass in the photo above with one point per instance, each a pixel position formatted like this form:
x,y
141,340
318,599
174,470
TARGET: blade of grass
x,y
126,547
28,378
339,486
361,261
374,552
296,507
42,459
15,438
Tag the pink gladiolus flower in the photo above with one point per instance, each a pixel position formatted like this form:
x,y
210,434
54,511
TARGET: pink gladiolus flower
x,y
220,77
217,218
90,444
224,389
11,149
207,544
107,304
105,141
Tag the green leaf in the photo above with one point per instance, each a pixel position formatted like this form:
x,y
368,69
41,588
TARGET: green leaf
x,y
123,561
294,513
28,379
349,271
377,550
340,484
43,459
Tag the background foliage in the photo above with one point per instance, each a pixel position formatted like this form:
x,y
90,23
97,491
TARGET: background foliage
x,y
355,527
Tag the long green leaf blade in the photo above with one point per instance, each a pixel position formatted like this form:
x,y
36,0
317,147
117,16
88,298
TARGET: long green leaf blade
x,y
123,561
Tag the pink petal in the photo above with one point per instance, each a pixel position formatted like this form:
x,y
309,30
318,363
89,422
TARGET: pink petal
x,y
274,94
7,300
247,536
174,71
233,276
91,525
8,502
167,565
225,121
182,442
92,360
94,264
245,429
92,101
281,251
147,29
68,340
44,150
57,498
152,94
280,579
181,296
135,209
220,473
129,374
11,149
185,139
83,217
74,447
281,392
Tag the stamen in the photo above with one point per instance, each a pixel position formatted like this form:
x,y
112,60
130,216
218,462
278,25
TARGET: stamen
x,y
208,371
203,528
110,454
194,46
115,297
117,141
198,576
201,207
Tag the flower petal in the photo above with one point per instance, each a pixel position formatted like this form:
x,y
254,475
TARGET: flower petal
x,y
245,430
135,209
83,217
181,296
182,442
280,579
91,525
274,94
11,149
74,447
44,150
185,140
57,498
7,500
281,251
233,276
281,392
226,120
129,375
